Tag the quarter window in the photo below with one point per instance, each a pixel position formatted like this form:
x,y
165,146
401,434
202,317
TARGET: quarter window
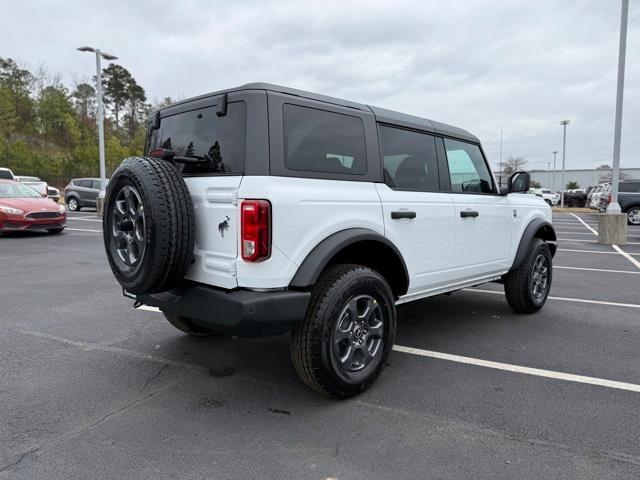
x,y
467,169
320,141
409,159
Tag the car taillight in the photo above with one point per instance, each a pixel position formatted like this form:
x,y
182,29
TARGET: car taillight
x,y
255,230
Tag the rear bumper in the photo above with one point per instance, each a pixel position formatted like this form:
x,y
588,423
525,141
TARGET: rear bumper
x,y
240,312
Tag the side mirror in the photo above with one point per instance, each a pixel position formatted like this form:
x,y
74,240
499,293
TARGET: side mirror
x,y
519,182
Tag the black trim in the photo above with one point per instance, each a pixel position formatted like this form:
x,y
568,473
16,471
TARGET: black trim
x,y
239,311
321,255
532,231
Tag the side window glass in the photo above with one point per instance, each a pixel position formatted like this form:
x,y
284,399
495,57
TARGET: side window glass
x,y
95,184
409,159
321,141
467,168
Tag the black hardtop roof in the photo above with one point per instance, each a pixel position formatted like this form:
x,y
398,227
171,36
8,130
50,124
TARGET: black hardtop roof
x,y
382,114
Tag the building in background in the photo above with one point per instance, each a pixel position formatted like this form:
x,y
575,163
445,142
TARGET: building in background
x,y
584,178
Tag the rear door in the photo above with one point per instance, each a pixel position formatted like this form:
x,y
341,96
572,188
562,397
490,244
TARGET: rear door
x,y
419,218
483,218
218,143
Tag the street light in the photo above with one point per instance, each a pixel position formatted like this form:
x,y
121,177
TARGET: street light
x,y
614,206
548,174
555,152
100,119
564,124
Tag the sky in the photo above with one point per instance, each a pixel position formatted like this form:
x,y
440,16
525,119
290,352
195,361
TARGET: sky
x,y
520,66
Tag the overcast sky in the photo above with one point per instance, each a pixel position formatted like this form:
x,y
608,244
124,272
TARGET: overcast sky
x,y
481,65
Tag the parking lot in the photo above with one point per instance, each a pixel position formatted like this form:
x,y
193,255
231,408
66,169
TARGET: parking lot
x,y
91,388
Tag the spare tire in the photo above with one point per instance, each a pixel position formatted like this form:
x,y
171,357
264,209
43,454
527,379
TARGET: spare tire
x,y
148,225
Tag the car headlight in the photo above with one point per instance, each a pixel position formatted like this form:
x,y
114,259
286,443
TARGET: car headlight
x,y
10,211
61,209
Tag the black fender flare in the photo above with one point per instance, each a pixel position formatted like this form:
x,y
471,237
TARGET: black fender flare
x,y
315,262
537,228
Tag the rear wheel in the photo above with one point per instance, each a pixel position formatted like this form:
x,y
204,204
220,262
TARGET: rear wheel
x,y
528,286
72,204
186,325
633,216
341,346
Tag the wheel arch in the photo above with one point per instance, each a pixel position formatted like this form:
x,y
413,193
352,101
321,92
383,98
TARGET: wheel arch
x,y
537,228
355,245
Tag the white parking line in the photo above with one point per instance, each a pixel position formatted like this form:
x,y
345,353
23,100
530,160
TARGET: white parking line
x,y
565,299
83,230
595,269
574,233
84,219
585,251
615,247
567,377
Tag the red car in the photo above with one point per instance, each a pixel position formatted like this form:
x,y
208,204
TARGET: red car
x,y
22,208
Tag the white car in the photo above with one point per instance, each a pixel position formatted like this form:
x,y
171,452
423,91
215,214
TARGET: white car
x,y
6,174
263,209
40,186
552,199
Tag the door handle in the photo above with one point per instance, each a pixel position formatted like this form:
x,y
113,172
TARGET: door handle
x,y
403,214
469,213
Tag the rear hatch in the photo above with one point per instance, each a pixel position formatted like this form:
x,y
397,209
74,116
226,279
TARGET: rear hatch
x,y
212,151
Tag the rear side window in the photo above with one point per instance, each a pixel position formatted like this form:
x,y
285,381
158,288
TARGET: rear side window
x,y
83,183
322,141
468,170
409,159
6,174
218,141
630,187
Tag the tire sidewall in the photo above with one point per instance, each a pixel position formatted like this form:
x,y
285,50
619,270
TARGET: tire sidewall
x,y
632,209
69,203
362,281
540,248
125,175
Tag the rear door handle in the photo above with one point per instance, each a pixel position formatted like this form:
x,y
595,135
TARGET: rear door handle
x,y
403,214
469,213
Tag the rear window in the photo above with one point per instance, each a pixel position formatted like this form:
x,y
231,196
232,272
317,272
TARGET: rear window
x,y
6,174
218,141
321,141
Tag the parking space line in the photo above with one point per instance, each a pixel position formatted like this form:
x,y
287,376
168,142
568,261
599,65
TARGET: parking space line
x,y
615,247
567,377
83,230
84,219
585,251
595,269
565,299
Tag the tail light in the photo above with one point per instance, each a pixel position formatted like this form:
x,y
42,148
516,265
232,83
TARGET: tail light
x,y
255,230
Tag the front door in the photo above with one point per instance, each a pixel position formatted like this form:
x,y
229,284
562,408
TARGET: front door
x,y
483,218
419,218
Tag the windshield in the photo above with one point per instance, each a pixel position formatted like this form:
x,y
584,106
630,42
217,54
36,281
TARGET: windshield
x,y
17,190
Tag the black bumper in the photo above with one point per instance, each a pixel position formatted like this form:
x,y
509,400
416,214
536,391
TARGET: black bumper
x,y
239,312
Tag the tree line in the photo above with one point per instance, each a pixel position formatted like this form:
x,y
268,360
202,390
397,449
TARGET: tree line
x,y
49,130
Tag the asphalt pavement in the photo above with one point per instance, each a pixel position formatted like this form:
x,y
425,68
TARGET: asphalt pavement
x,y
91,388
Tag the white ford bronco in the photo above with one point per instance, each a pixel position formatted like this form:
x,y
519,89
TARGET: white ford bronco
x,y
263,209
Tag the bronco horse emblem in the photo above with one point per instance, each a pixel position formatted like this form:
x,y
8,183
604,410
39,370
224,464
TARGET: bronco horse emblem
x,y
224,225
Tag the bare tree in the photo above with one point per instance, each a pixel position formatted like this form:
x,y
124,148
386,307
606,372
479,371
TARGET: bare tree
x,y
512,165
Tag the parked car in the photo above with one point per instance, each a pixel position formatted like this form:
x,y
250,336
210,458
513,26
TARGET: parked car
x,y
548,196
82,192
35,182
575,199
316,215
628,199
594,202
6,174
603,198
23,208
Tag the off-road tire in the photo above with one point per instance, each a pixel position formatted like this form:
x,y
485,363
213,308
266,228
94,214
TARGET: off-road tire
x,y
169,225
518,283
186,325
311,344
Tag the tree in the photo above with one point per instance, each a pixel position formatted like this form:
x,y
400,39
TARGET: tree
x,y
572,185
18,82
136,98
116,81
84,97
535,184
512,165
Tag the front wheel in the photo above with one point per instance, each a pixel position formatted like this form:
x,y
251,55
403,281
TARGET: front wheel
x,y
633,216
341,346
73,205
527,287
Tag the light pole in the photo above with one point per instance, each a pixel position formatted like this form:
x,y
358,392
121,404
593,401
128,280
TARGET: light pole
x,y
549,174
564,124
100,119
614,206
555,152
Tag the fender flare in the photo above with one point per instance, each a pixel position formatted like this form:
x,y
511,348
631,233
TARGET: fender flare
x,y
537,228
315,262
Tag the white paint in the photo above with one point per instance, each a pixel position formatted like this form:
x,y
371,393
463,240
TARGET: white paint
x,y
84,219
596,269
585,224
565,299
567,377
584,251
627,255
148,308
83,230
